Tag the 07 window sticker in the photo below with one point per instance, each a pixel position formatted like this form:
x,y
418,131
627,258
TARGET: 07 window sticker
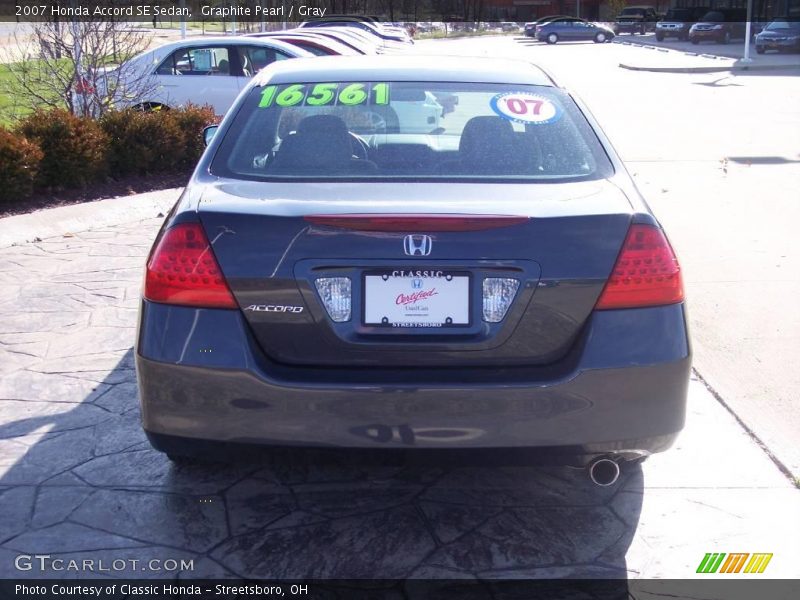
x,y
526,108
324,94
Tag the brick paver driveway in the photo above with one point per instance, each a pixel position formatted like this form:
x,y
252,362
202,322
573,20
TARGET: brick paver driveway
x,y
79,480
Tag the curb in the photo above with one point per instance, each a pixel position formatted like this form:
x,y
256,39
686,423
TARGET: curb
x,y
782,467
74,218
720,69
455,38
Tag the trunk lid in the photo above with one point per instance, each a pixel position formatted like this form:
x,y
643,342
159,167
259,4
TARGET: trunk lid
x,y
271,255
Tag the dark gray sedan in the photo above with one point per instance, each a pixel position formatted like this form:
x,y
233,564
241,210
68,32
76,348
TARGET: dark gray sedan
x,y
779,35
573,31
341,273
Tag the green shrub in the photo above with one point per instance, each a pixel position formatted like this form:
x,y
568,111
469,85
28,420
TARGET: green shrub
x,y
192,120
149,142
141,142
19,164
74,148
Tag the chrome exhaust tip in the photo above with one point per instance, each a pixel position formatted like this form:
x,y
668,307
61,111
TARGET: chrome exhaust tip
x,y
604,471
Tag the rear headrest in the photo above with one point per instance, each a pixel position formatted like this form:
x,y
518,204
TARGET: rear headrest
x,y
330,124
321,142
488,144
481,132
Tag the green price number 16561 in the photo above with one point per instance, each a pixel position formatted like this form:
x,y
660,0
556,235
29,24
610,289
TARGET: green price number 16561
x,y
323,94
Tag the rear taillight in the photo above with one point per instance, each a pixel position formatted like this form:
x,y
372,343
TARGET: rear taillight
x,y
183,270
646,272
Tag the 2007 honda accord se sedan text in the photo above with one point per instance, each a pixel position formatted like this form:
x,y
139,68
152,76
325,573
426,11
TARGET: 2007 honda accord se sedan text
x,y
340,272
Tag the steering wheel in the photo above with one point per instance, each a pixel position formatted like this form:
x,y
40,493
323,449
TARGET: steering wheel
x,y
360,146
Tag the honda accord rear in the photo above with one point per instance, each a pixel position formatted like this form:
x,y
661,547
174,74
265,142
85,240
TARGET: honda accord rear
x,y
340,272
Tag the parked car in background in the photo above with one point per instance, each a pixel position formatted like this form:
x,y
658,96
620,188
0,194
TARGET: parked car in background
x,y
780,35
364,282
678,21
402,32
530,29
362,40
354,38
316,44
209,70
385,33
572,30
430,26
720,26
636,19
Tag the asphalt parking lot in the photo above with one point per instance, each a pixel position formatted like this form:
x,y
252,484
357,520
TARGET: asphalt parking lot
x,y
732,50
78,479
716,157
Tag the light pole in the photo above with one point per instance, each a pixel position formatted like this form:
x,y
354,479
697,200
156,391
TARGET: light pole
x,y
77,57
183,19
263,18
747,30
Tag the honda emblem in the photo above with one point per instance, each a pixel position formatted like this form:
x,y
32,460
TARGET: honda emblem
x,y
417,245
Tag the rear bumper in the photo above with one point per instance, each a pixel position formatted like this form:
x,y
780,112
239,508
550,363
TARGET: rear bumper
x,y
777,44
702,36
629,26
672,31
202,377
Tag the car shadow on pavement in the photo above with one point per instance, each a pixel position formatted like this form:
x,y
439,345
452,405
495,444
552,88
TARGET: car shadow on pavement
x,y
80,481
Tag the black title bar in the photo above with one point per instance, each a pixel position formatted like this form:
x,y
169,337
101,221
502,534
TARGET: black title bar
x,y
411,589
251,10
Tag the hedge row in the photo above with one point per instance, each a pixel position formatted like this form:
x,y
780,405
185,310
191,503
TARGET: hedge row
x,y
53,149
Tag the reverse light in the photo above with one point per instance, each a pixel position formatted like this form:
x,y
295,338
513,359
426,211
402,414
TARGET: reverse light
x,y
335,293
183,270
498,293
646,273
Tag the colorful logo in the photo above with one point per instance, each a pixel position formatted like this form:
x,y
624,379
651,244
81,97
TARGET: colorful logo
x,y
525,108
734,563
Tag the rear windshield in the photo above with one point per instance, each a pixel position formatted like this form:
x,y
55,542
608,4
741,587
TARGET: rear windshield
x,y
678,14
713,16
778,25
406,130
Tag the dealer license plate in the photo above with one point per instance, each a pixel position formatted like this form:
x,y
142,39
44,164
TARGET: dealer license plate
x,y
419,298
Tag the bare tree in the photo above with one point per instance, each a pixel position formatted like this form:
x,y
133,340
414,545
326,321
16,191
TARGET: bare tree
x,y
82,66
615,7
